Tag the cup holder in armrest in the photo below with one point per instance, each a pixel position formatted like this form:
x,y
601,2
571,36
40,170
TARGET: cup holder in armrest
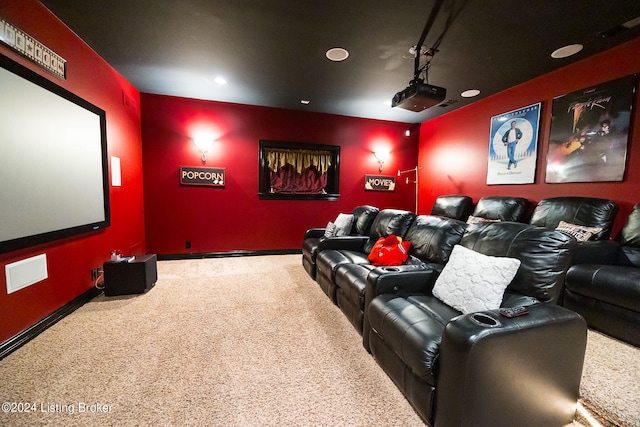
x,y
484,320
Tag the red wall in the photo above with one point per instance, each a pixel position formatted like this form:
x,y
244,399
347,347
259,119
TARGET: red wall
x,y
70,261
453,148
233,218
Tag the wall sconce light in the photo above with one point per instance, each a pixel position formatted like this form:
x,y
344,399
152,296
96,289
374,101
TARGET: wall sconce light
x,y
204,144
381,156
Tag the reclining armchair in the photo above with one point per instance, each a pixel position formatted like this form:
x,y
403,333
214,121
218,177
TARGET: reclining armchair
x,y
363,217
480,368
355,249
581,211
588,219
606,290
432,239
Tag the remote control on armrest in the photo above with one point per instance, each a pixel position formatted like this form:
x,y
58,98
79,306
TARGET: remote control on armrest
x,y
513,311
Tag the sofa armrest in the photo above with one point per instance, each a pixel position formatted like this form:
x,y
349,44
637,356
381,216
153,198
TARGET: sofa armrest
x,y
596,252
415,278
521,371
514,299
349,243
401,278
316,233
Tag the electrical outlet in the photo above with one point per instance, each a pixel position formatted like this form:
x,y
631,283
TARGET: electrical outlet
x,y
95,273
187,244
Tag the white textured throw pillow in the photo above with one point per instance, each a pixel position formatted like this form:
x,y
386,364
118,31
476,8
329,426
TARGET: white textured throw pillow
x,y
472,281
343,224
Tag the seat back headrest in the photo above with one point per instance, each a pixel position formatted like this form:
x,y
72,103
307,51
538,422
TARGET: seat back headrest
x,y
503,208
388,222
545,255
433,237
363,217
453,206
586,211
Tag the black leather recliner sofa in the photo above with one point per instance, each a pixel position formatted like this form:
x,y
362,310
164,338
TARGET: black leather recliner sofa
x,y
363,217
606,290
480,368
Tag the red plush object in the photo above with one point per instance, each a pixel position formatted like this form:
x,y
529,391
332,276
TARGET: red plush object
x,y
389,250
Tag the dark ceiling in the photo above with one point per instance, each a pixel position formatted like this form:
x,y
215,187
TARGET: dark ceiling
x,y
272,52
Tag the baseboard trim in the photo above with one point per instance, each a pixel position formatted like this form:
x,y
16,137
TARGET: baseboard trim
x,y
17,341
201,255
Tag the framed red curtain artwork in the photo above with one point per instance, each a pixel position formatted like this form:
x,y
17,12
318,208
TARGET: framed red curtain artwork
x,y
290,170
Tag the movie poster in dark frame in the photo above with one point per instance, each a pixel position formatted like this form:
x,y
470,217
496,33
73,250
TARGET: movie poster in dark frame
x,y
513,146
590,133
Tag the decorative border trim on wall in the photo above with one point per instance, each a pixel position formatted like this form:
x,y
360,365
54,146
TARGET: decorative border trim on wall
x,y
239,253
31,48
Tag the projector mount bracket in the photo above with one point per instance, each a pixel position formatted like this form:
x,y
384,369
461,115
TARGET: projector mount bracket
x,y
418,50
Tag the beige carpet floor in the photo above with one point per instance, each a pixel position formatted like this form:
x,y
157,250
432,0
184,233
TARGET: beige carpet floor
x,y
248,341
610,387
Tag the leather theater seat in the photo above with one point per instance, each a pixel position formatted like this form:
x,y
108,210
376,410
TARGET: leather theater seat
x,y
481,368
432,239
584,211
363,217
606,291
355,249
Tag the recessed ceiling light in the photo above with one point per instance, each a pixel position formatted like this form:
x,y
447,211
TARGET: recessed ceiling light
x,y
220,80
304,101
337,54
566,51
470,93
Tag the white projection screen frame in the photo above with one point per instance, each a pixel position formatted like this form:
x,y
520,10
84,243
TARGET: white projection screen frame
x,y
53,161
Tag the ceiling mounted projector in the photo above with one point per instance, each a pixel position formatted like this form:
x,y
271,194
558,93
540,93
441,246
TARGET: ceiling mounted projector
x,y
419,96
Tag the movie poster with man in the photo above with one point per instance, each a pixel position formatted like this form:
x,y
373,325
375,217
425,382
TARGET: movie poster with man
x,y
513,146
589,133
